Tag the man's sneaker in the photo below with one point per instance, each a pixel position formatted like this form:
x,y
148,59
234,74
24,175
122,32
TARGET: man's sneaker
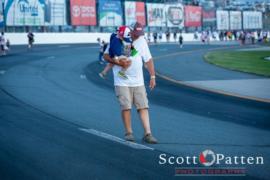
x,y
122,74
102,75
149,138
129,137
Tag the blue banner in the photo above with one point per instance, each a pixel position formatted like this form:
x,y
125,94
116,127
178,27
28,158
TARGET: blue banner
x,y
110,13
1,15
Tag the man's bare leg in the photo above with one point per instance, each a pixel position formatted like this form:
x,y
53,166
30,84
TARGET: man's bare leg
x,y
148,137
127,121
144,115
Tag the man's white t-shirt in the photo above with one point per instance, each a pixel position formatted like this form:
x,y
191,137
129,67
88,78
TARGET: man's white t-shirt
x,y
135,70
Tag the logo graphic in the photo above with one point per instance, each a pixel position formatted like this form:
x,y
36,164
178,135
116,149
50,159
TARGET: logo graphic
x,y
25,7
207,157
76,12
175,15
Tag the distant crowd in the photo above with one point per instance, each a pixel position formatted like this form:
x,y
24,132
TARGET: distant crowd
x,y
244,37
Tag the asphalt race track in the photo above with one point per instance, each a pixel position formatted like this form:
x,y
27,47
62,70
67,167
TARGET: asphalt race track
x,y
60,120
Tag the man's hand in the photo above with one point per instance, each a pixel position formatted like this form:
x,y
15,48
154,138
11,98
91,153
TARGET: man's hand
x,y
151,69
152,84
124,63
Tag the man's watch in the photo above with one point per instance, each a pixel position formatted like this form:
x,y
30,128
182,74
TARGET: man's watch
x,y
153,77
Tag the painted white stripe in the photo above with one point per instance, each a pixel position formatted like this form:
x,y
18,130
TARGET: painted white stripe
x,y
83,76
51,57
116,139
2,72
63,46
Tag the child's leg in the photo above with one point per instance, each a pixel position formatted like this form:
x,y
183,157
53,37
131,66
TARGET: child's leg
x,y
107,68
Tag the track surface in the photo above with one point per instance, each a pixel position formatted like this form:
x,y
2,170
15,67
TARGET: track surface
x,y
49,94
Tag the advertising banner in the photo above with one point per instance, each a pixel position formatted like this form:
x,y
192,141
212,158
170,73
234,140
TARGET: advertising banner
x,y
1,15
156,16
175,15
35,12
266,20
222,20
22,12
235,20
55,12
83,12
252,20
208,16
110,13
134,11
193,15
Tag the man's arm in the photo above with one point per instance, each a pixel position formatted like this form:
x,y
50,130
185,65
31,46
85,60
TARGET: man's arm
x,y
151,70
121,62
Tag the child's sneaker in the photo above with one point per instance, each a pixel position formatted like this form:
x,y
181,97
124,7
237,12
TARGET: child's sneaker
x,y
102,75
122,74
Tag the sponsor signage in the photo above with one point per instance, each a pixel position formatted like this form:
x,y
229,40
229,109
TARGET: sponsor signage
x,y
156,16
235,20
35,12
193,15
83,12
110,13
222,20
1,15
252,20
175,15
134,11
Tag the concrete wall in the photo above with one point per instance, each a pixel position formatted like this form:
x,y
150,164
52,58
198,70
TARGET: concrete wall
x,y
69,38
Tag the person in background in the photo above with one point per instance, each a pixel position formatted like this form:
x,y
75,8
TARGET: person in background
x,y
208,36
181,41
31,40
160,36
196,35
149,37
265,36
175,36
252,37
100,51
155,36
3,43
168,36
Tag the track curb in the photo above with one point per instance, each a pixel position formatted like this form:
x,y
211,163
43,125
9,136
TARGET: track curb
x,y
210,90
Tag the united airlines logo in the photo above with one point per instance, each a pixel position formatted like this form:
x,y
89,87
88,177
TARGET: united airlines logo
x,y
26,8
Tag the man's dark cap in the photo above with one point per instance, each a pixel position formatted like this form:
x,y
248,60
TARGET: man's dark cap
x,y
137,29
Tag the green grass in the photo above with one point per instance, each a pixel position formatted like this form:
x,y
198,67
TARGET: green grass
x,y
245,61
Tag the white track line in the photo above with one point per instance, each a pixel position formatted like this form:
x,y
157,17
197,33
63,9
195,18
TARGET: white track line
x,y
63,46
2,72
116,139
51,57
83,76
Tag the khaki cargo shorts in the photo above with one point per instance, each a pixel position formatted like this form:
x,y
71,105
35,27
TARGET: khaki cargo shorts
x,y
127,96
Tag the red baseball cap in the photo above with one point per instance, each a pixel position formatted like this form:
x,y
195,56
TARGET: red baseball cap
x,y
123,31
